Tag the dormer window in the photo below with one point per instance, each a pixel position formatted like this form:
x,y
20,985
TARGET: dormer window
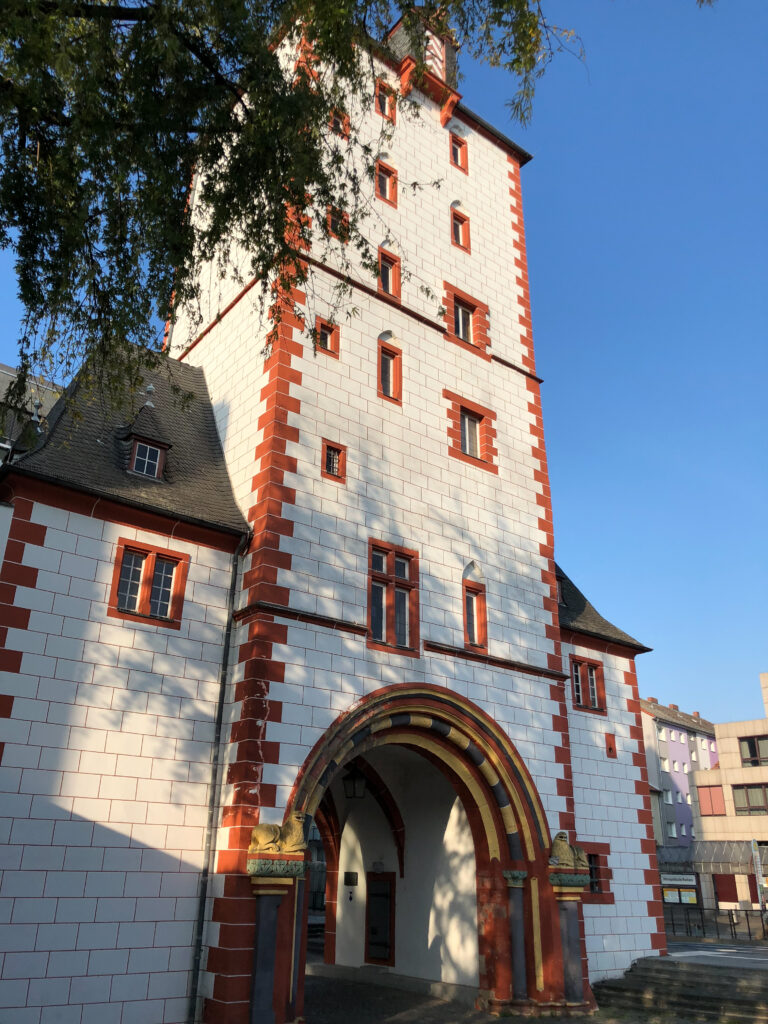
x,y
147,459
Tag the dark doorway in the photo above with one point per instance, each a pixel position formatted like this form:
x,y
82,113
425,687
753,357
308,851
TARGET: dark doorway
x,y
380,918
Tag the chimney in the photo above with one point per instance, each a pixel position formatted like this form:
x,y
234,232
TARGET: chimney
x,y
651,700
696,714
673,707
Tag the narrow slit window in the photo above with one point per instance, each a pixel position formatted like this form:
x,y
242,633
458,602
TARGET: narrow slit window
x,y
462,322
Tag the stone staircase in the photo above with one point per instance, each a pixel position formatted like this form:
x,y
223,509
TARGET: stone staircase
x,y
316,936
693,991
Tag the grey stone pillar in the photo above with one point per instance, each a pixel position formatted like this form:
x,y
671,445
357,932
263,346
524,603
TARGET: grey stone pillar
x,y
568,889
515,881
262,991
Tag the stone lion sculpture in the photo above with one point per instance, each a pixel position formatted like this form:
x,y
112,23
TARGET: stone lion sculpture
x,y
568,858
285,838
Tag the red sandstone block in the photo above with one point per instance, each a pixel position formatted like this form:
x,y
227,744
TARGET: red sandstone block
x,y
10,661
6,705
29,533
229,962
14,618
232,989
218,1012
236,936
15,573
235,911
659,941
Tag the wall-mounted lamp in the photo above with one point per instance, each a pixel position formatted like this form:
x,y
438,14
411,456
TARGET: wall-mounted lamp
x,y
354,783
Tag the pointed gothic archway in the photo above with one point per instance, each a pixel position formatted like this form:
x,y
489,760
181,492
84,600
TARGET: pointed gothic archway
x,y
519,937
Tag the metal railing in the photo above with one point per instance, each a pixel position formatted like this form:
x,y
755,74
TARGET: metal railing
x,y
728,925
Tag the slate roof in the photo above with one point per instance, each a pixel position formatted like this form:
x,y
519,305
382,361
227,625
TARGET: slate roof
x,y
16,425
673,716
576,613
88,447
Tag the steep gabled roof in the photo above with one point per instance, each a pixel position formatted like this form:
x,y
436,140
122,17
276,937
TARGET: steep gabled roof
x,y
576,613
86,445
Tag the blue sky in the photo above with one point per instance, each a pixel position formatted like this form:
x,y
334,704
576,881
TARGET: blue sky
x,y
646,218
646,214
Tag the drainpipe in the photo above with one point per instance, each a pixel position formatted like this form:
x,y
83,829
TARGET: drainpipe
x,y
210,847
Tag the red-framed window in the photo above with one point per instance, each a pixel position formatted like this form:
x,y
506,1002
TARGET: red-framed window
x,y
471,432
147,459
460,231
600,874
393,598
588,685
339,123
390,373
458,152
333,464
475,616
389,273
467,320
148,584
385,180
384,101
327,336
338,224
711,800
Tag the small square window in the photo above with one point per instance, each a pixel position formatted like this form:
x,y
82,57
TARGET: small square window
x,y
147,459
389,274
664,762
338,224
148,584
390,376
339,123
385,101
671,830
682,828
467,320
675,766
471,433
334,462
327,337
460,230
458,151
673,735
679,797
667,796
662,732
386,183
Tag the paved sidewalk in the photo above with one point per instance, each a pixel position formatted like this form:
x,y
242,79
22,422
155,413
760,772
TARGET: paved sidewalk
x,y
332,1001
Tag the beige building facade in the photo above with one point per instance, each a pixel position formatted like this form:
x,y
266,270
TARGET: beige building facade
x,y
733,811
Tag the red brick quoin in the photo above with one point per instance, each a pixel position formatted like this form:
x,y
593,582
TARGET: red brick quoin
x,y
231,961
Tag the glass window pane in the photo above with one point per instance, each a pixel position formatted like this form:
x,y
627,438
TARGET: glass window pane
x,y
379,561
592,685
401,618
147,460
162,585
378,594
324,337
762,748
469,604
577,683
130,581
386,374
332,457
385,274
470,435
402,567
755,796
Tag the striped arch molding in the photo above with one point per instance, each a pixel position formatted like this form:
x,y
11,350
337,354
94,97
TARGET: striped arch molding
x,y
447,728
